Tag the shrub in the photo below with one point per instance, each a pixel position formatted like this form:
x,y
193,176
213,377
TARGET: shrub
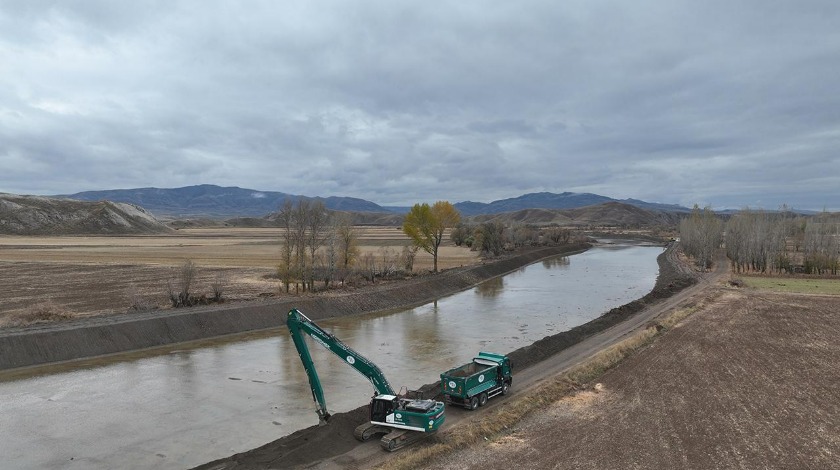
x,y
43,312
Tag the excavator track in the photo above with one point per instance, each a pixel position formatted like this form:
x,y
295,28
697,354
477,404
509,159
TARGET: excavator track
x,y
365,431
398,438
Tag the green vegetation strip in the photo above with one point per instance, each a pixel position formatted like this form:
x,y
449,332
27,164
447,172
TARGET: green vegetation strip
x,y
500,421
792,285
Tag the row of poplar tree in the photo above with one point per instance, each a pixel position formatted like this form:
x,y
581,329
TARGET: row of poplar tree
x,y
764,242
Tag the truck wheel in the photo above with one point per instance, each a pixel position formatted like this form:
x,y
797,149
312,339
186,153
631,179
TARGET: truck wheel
x,y
482,399
473,403
505,388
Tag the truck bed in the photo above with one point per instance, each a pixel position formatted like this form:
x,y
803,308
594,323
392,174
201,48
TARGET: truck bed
x,y
466,370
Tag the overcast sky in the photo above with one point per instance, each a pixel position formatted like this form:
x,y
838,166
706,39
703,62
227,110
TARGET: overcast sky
x,y
725,103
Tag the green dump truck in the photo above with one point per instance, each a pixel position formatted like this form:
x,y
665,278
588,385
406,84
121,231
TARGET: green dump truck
x,y
471,385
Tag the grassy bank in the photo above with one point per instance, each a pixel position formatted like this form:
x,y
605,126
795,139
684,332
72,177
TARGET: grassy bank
x,y
794,285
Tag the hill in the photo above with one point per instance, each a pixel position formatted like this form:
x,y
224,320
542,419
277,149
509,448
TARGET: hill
x,y
615,214
546,200
38,215
209,200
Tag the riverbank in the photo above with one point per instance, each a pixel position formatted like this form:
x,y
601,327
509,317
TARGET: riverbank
x,y
310,445
123,332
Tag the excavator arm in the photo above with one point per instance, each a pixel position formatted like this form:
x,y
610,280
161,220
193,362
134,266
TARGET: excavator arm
x,y
299,325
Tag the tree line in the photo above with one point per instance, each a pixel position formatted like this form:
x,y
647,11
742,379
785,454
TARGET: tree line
x,y
318,245
494,238
425,225
762,242
321,246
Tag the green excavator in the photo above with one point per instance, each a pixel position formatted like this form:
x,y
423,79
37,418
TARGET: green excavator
x,y
401,420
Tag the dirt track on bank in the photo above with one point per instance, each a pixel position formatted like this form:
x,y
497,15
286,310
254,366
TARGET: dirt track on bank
x,y
334,447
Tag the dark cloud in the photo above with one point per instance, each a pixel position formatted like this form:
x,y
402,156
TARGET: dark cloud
x,y
722,103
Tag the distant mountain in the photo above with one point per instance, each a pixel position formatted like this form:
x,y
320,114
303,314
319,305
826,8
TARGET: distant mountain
x,y
38,215
208,200
547,200
616,214
218,202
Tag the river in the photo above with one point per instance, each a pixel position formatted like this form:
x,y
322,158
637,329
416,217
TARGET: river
x,y
177,408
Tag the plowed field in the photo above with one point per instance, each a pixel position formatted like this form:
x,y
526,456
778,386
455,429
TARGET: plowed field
x,y
77,276
749,382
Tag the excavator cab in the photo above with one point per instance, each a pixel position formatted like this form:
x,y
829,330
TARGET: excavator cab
x,y
381,406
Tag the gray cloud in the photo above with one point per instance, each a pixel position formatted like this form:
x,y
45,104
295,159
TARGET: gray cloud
x,y
720,103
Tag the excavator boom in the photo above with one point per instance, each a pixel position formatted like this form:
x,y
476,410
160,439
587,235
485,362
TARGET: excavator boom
x,y
402,420
299,324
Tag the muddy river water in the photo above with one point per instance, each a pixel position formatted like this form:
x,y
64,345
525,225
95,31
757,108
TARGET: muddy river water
x,y
176,408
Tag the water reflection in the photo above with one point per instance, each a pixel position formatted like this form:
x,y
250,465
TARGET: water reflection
x,y
556,262
491,287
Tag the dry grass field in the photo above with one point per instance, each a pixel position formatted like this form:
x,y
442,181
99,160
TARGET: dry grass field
x,y
71,276
800,285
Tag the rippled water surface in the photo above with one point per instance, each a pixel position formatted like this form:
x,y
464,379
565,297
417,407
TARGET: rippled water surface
x,y
181,408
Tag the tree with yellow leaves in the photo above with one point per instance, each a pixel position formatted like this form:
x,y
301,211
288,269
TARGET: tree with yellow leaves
x,y
425,225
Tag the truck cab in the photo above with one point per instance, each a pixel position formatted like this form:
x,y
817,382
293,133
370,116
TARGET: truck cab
x,y
472,384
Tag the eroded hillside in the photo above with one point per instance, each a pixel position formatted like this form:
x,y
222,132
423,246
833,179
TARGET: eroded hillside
x,y
36,215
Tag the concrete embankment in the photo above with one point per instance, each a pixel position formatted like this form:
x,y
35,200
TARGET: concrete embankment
x,y
111,334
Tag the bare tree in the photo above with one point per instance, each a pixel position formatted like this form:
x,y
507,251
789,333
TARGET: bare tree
x,y
137,301
757,241
407,257
523,235
490,238
389,261
701,235
219,285
346,241
368,267
460,233
557,235
330,258
317,221
822,245
304,231
179,293
300,220
286,268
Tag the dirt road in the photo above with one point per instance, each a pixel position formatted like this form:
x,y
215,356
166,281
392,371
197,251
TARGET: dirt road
x,y
301,450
